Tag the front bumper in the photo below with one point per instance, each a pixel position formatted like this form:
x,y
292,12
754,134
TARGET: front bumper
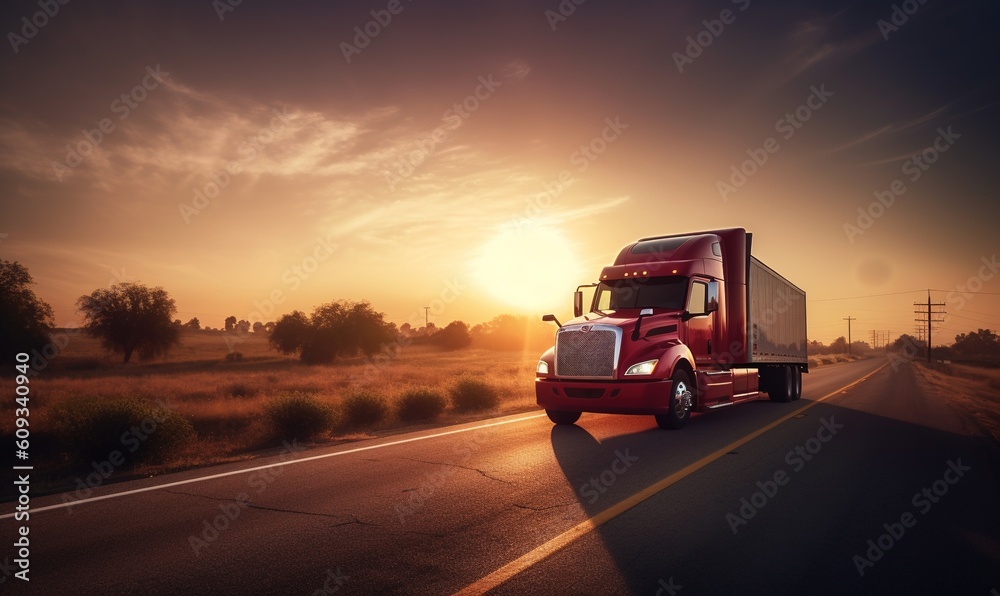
x,y
604,397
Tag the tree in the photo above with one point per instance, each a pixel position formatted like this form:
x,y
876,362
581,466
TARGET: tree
x,y
453,337
908,345
258,327
230,322
194,323
335,329
25,321
242,327
131,318
510,332
839,345
269,326
977,343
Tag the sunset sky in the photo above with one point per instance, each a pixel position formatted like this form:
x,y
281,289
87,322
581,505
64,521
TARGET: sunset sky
x,y
487,157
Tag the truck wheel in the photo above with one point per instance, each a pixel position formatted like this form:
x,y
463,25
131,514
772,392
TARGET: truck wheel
x,y
681,402
561,417
781,384
797,376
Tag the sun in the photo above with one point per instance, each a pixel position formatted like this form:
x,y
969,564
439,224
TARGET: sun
x,y
534,268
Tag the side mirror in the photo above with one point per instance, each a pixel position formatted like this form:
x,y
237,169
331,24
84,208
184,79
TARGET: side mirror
x,y
551,319
638,322
712,303
577,303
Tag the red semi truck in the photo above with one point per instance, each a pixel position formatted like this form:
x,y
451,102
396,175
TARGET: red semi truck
x,y
679,323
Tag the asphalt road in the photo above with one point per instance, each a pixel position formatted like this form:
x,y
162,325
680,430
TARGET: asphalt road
x,y
437,511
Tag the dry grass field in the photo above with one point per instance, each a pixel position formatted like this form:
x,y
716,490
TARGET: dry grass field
x,y
973,389
225,399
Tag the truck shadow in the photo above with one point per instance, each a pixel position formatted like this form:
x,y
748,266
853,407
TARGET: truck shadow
x,y
734,527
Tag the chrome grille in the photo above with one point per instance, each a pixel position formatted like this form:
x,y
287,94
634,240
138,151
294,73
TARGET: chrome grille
x,y
590,354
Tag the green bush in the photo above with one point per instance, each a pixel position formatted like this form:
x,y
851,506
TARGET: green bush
x,y
420,405
92,428
298,416
365,409
472,395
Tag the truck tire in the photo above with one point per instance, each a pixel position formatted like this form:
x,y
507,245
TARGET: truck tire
x,y
781,384
797,383
561,417
681,402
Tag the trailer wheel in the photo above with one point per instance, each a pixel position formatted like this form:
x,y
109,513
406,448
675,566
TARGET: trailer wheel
x,y
681,402
561,417
781,384
797,377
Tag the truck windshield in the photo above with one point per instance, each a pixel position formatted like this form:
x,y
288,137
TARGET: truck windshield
x,y
657,292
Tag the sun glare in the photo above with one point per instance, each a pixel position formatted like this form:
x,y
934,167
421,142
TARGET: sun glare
x,y
533,268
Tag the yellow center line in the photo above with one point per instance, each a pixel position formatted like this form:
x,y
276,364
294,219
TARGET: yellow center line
x,y
583,528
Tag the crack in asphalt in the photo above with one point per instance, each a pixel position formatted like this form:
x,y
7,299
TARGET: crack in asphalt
x,y
439,463
251,505
354,518
530,508
209,497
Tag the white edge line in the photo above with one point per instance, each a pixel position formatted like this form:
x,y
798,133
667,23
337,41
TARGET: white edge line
x,y
265,466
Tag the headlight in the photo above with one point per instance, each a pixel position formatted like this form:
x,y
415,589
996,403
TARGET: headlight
x,y
642,368
542,368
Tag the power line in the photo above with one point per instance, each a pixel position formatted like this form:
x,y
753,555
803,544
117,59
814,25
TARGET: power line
x,y
867,296
985,314
955,290
975,320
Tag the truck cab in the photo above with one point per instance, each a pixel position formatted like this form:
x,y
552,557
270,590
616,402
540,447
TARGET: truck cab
x,y
669,331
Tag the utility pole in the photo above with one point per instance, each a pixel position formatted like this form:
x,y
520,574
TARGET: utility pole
x,y
930,319
874,341
427,310
849,319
